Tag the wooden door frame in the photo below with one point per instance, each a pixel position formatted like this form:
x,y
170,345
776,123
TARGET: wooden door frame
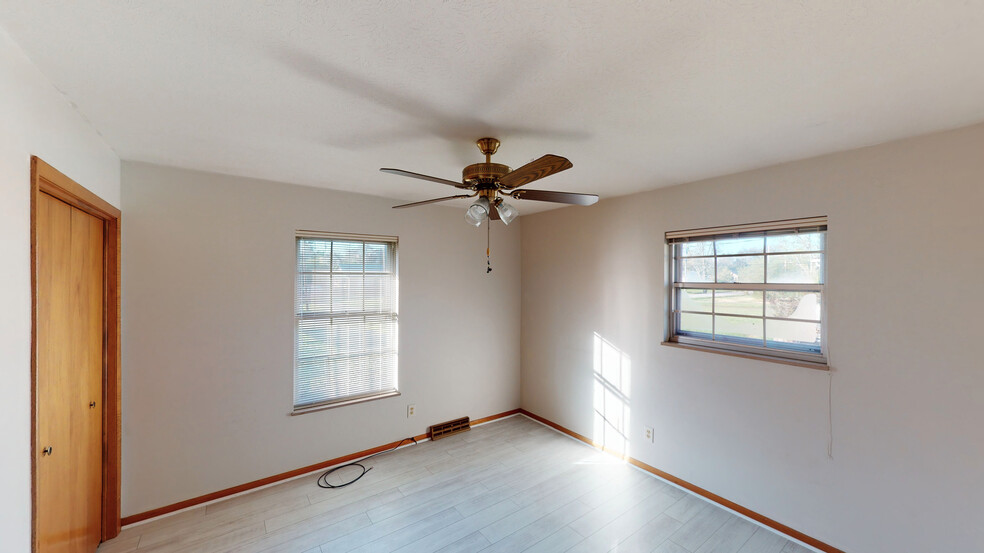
x,y
46,179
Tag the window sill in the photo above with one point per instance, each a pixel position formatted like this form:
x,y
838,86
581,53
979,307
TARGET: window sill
x,y
341,403
793,362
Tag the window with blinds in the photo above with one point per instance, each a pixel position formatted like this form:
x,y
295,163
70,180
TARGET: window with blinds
x,y
755,289
345,319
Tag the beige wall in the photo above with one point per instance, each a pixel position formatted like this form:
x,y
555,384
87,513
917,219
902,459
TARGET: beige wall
x,y
905,273
208,283
35,119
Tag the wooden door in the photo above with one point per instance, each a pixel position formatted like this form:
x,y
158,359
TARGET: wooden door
x,y
70,357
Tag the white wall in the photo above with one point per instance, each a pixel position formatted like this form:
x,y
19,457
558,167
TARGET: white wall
x,y
34,120
208,282
905,293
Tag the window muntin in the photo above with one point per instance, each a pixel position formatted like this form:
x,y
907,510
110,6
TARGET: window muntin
x,y
345,319
751,290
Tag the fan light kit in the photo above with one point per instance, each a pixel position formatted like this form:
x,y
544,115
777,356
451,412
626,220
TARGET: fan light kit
x,y
492,181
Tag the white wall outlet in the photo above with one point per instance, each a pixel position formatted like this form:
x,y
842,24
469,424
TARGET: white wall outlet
x,y
411,408
650,435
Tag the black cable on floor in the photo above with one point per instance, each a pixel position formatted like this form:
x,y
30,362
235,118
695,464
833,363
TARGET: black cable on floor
x,y
323,479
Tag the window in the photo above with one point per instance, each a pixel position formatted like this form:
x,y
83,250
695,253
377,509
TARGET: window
x,y
753,289
345,319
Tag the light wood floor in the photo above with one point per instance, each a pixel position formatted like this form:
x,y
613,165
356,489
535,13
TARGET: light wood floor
x,y
508,486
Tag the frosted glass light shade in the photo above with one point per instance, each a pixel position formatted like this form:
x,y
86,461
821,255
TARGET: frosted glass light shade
x,y
507,212
477,212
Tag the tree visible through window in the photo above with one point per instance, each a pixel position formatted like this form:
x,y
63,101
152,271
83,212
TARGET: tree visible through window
x,y
752,288
345,319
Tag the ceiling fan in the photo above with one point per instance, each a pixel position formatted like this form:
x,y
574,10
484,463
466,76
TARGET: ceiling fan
x,y
492,181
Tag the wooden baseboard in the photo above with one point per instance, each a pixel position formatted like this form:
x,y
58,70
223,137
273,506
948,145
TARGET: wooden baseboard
x,y
491,418
761,519
168,509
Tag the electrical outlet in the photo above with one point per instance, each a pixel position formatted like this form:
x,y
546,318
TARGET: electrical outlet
x,y
410,410
650,435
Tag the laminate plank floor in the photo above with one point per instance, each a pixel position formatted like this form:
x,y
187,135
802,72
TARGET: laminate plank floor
x,y
507,486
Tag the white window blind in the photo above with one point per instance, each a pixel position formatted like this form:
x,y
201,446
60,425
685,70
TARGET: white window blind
x,y
756,288
345,319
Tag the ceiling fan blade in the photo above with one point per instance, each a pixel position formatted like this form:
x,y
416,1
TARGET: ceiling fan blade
x,y
536,169
558,197
493,213
410,174
435,200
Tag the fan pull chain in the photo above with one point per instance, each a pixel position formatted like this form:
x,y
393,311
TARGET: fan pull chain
x,y
488,246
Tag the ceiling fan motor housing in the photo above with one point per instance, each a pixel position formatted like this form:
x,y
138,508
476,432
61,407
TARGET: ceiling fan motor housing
x,y
484,173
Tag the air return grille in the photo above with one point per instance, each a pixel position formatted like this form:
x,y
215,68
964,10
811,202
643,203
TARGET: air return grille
x,y
445,429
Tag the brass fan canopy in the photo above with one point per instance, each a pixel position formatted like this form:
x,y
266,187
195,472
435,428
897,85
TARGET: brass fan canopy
x,y
488,146
488,173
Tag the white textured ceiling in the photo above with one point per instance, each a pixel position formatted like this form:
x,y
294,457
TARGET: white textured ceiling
x,y
637,94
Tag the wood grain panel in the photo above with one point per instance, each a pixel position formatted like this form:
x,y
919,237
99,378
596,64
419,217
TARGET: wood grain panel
x,y
70,373
535,170
56,492
88,345
89,279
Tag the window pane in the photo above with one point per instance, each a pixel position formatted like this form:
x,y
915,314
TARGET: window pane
x,y
734,246
688,249
795,242
692,299
312,338
346,293
313,293
347,337
317,383
794,335
697,270
378,293
313,255
738,329
741,269
793,305
378,258
695,324
738,302
765,286
347,256
803,268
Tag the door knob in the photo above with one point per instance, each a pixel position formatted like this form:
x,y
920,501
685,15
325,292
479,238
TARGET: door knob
x,y
92,405
46,451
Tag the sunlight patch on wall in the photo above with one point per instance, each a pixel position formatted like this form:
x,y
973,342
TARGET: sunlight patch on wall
x,y
612,385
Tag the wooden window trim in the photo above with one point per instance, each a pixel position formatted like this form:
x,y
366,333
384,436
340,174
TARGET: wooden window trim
x,y
48,180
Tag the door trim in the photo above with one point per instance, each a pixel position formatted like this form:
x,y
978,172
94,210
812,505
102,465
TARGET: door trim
x,y
46,179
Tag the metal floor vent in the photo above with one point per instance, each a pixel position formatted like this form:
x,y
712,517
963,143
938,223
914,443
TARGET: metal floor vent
x,y
445,429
